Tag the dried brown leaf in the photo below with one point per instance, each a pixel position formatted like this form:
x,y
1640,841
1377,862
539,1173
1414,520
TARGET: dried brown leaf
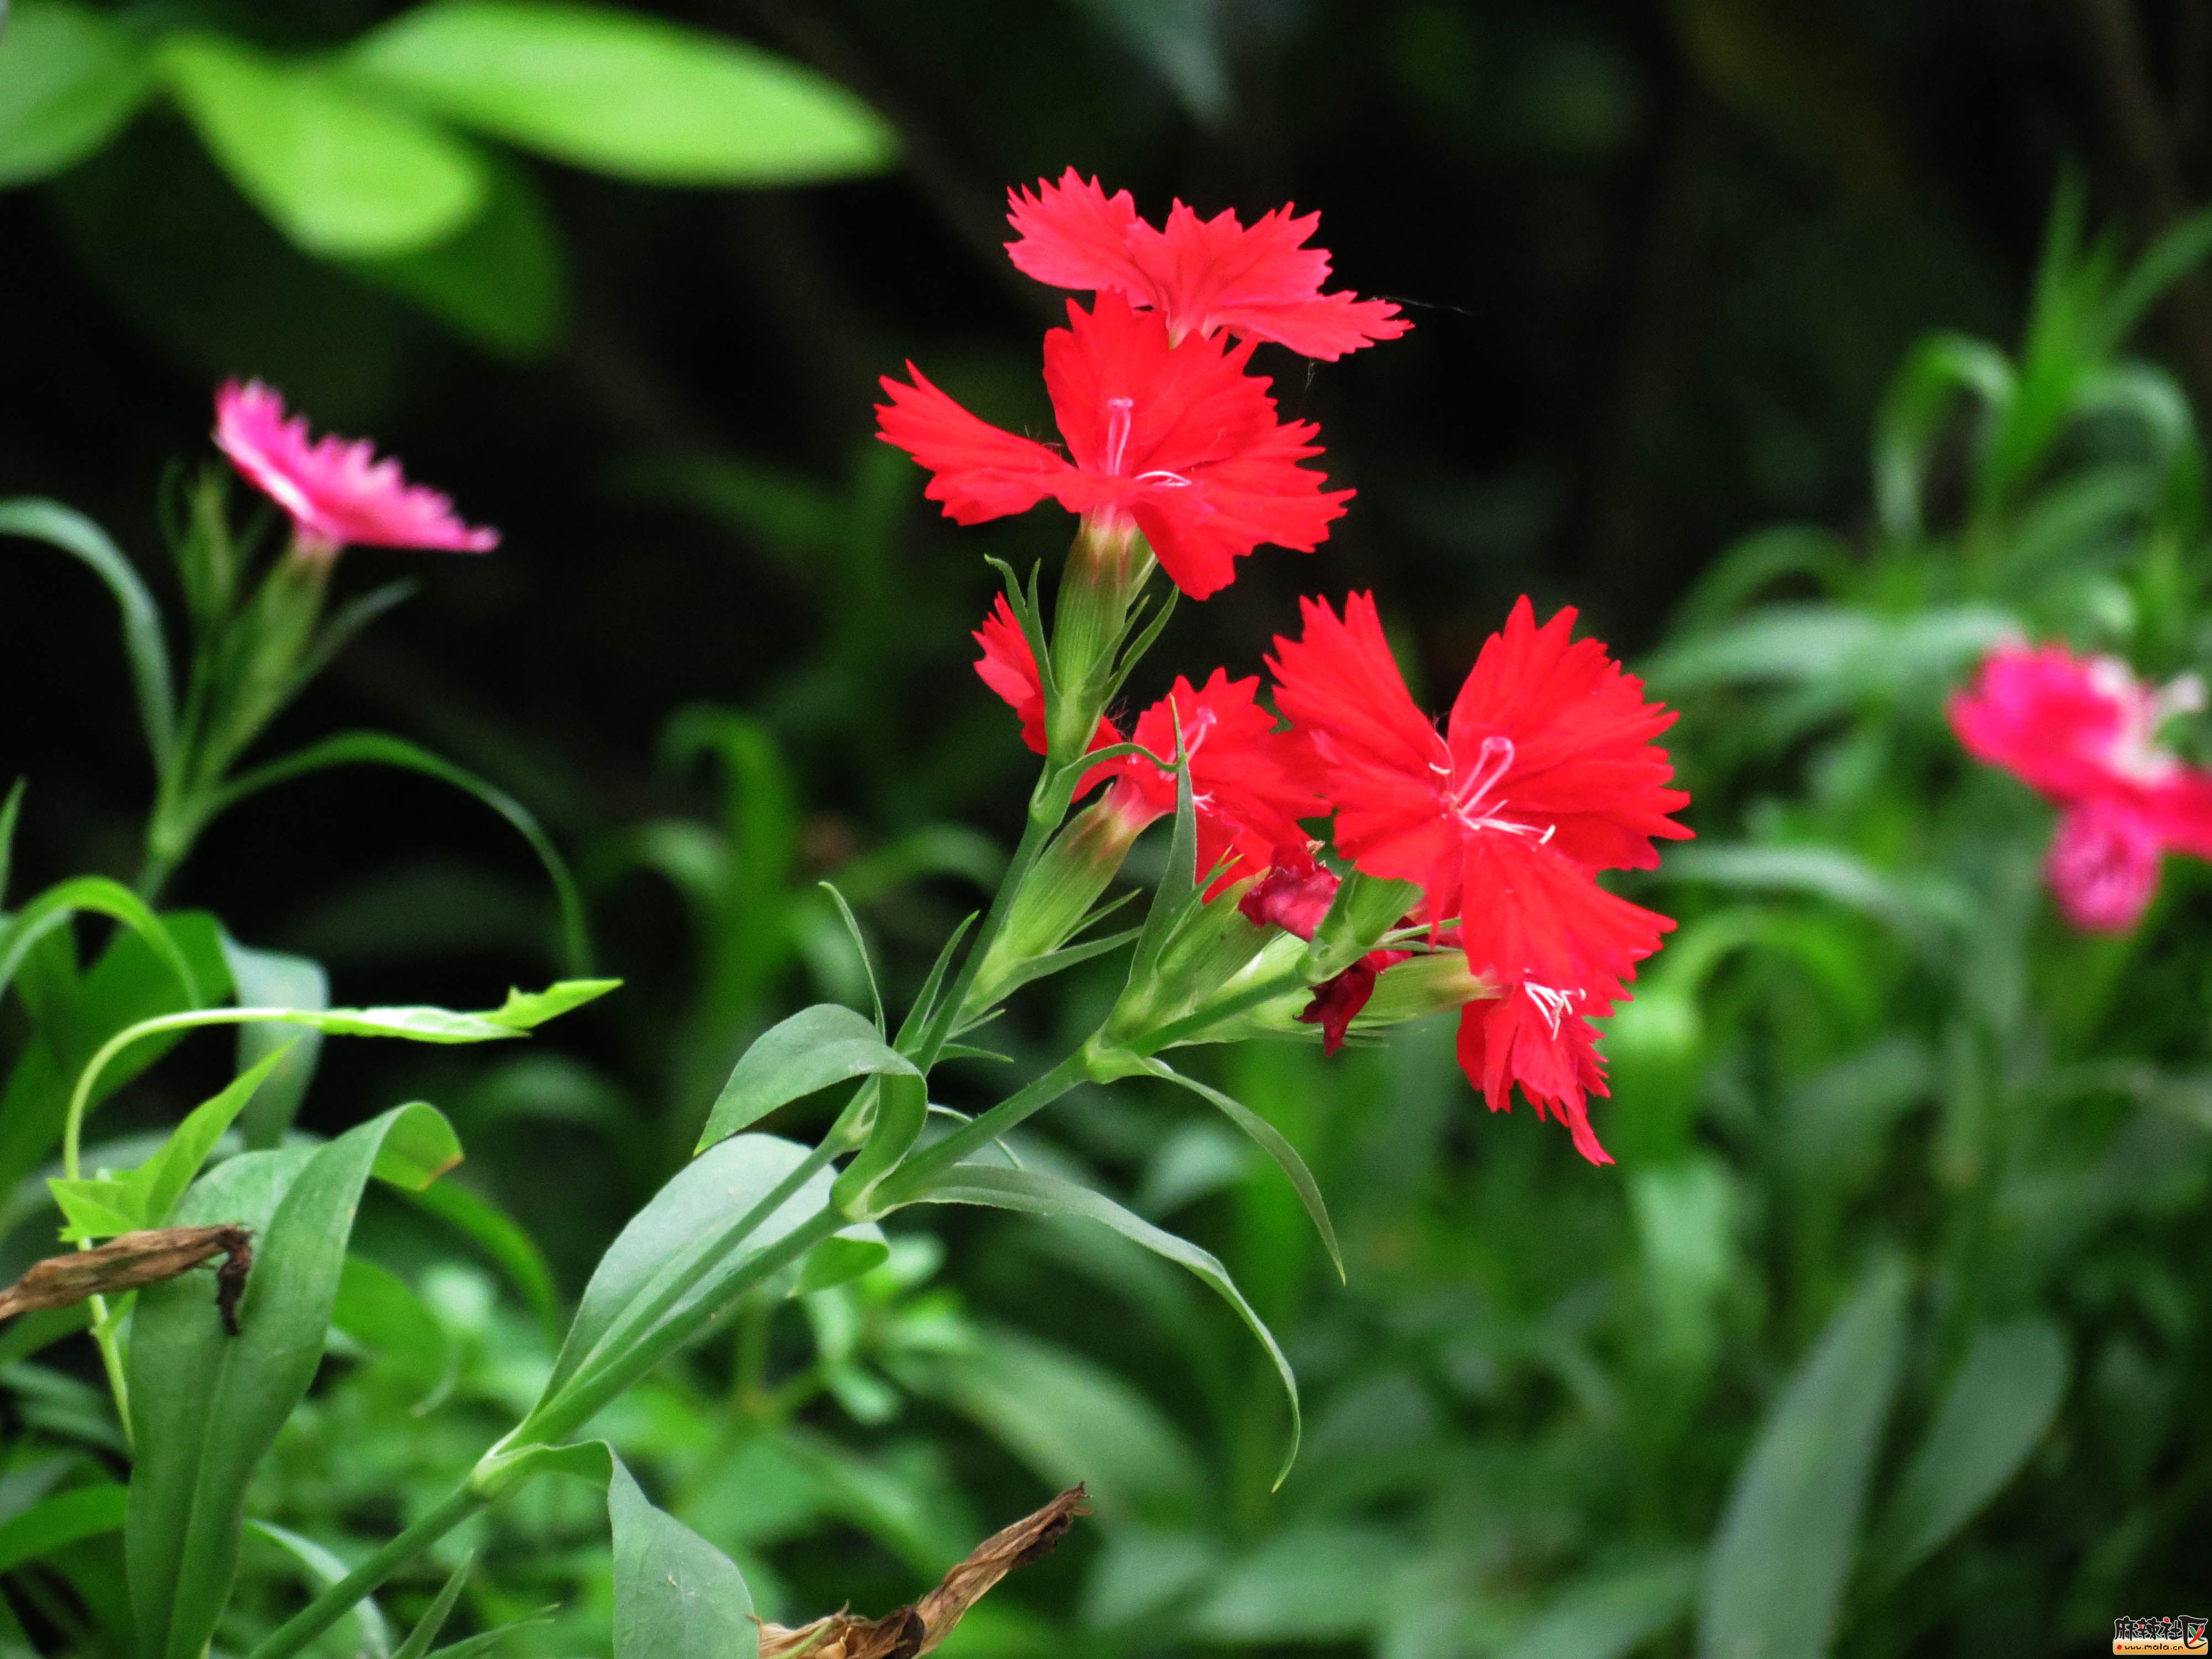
x,y
911,1630
130,1260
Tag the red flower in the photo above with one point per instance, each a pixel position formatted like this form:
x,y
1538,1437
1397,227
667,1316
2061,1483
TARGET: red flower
x,y
1200,275
2082,733
1544,775
1535,1038
1174,440
1248,783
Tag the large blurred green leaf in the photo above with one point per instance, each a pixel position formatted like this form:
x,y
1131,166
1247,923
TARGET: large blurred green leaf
x,y
1607,1614
54,1523
341,173
625,93
70,77
1036,1193
206,1405
1312,1583
1070,1419
502,281
272,979
676,1596
2006,1391
1774,1581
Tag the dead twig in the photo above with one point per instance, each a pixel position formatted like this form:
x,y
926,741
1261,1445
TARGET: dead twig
x,y
914,1630
131,1260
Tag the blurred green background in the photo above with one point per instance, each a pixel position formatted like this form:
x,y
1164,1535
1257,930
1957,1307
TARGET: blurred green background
x,y
1888,1335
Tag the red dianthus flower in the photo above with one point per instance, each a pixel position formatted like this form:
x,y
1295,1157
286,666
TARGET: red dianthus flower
x,y
1200,275
1545,774
1174,440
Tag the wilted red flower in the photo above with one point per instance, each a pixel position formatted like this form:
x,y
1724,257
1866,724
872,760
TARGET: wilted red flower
x,y
1200,275
2082,733
1295,895
339,494
1544,775
1176,440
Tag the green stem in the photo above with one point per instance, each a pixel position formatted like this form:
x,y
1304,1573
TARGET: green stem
x,y
914,1175
1049,805
334,1603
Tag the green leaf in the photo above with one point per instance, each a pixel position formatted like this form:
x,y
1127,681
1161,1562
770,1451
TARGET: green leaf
x,y
91,896
1997,1409
1604,1616
526,1010
133,980
502,1238
842,1257
70,78
1270,1140
339,172
327,1570
502,282
441,1609
814,1048
692,1216
94,1209
676,1596
11,813
380,1310
270,979
1307,1583
1775,1577
381,748
159,1181
1034,1192
1071,1419
624,94
207,1406
55,1523
144,642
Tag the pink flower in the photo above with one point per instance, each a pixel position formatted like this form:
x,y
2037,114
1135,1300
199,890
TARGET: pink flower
x,y
337,492
2082,731
2103,865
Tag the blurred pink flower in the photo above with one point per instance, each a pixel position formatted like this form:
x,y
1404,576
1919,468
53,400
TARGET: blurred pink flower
x,y
2082,731
337,490
2103,865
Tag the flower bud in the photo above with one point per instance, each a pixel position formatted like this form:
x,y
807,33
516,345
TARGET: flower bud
x,y
1107,568
1057,896
1363,915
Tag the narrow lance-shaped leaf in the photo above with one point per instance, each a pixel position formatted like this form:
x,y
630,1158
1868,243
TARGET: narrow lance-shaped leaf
x,y
814,1048
1999,1406
1270,1140
1038,1193
1775,1577
725,1187
207,1406
381,748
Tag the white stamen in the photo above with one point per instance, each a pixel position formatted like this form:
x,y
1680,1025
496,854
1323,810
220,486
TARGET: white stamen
x,y
1552,1004
1118,417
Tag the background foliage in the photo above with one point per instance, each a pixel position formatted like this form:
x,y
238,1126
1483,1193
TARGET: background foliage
x,y
1888,1335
